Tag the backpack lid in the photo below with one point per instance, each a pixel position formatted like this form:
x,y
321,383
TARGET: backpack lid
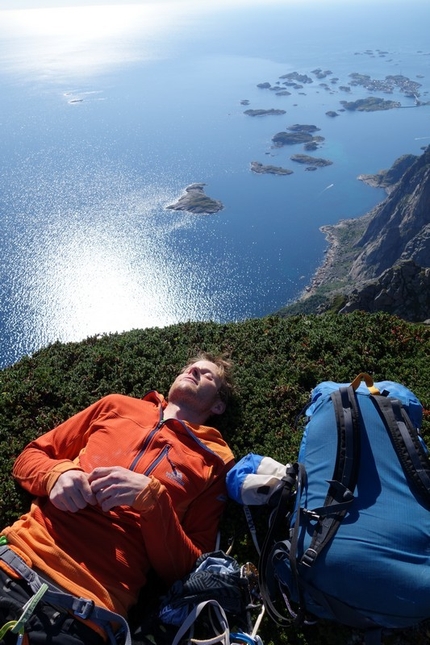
x,y
391,389
254,479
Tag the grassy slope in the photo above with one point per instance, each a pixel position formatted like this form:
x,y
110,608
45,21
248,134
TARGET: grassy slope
x,y
277,362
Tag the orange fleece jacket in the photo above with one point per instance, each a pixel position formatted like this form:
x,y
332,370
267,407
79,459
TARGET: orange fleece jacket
x,y
106,556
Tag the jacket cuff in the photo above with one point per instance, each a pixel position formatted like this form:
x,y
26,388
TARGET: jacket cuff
x,y
51,477
147,499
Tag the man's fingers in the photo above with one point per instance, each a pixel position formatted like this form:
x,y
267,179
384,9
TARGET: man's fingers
x,y
72,492
116,486
69,503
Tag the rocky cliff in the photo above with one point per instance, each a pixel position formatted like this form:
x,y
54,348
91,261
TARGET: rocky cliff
x,y
380,262
403,290
399,229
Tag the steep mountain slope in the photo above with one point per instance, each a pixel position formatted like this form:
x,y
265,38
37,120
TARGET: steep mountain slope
x,y
400,227
380,262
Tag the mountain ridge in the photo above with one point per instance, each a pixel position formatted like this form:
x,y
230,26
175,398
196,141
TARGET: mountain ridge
x,y
381,261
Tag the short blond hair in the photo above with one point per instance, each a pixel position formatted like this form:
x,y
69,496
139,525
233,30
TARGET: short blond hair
x,y
224,366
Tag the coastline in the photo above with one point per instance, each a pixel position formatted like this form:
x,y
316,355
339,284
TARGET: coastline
x,y
322,273
342,250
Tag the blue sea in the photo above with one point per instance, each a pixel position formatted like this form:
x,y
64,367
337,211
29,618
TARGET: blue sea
x,y
109,112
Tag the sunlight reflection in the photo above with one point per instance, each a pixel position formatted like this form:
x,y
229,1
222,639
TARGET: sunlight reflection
x,y
94,286
83,40
93,281
109,265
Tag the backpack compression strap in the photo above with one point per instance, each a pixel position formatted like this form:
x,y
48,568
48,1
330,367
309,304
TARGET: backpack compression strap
x,y
341,490
407,444
329,516
79,607
294,479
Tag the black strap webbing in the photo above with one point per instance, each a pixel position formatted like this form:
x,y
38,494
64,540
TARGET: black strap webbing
x,y
267,583
410,451
341,489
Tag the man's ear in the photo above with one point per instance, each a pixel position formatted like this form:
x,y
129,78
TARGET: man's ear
x,y
218,407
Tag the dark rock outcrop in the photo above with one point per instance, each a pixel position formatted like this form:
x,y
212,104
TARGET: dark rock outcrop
x,y
403,290
388,178
399,229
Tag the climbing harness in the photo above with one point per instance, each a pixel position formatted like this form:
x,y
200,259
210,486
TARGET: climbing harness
x,y
79,607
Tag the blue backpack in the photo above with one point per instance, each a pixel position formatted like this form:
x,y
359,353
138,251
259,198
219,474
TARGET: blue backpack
x,y
349,539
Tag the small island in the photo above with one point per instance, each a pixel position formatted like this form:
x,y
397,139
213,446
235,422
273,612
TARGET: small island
x,y
295,76
270,112
291,138
370,104
196,201
319,73
303,127
296,134
313,162
259,168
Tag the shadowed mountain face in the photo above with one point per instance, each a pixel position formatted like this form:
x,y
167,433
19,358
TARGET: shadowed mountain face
x,y
381,261
399,230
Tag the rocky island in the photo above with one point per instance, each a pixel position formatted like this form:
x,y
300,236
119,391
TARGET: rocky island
x,y
196,201
296,134
258,167
291,138
296,77
313,162
303,127
370,104
270,112
387,85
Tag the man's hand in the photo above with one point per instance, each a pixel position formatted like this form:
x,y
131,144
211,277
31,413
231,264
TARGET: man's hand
x,y
72,491
116,486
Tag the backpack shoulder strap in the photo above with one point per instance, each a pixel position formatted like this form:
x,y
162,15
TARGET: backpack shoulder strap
x,y
407,443
294,480
329,516
341,488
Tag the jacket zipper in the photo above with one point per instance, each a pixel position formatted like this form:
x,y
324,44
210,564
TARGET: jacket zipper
x,y
166,448
146,443
157,460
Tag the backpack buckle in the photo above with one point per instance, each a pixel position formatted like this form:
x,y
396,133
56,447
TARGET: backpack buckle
x,y
83,608
309,557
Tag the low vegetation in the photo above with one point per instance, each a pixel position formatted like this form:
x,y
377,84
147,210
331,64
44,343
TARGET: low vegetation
x,y
277,362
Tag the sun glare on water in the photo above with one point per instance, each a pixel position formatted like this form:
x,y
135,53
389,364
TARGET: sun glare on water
x,y
81,41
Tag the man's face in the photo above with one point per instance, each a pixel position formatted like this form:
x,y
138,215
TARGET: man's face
x,y
198,387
